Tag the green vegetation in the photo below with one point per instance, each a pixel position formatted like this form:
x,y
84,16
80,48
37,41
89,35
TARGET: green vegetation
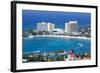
x,y
53,56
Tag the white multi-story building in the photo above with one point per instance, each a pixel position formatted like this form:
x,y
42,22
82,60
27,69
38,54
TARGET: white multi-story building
x,y
43,26
71,26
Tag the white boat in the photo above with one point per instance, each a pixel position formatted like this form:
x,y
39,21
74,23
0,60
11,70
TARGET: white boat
x,y
80,44
30,36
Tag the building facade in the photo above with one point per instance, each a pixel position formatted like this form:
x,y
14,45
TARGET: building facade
x,y
43,26
71,26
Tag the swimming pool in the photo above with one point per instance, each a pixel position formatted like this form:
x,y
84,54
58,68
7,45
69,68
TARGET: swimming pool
x,y
50,44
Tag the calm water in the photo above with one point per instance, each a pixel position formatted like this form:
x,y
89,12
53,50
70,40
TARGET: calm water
x,y
47,44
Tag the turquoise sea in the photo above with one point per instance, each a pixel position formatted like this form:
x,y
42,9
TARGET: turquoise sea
x,y
50,44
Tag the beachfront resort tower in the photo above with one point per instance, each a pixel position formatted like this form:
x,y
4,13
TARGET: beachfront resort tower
x,y
43,26
71,26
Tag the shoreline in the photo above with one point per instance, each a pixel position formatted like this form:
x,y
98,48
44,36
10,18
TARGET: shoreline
x,y
58,36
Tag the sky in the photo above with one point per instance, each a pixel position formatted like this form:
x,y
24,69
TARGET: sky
x,y
30,18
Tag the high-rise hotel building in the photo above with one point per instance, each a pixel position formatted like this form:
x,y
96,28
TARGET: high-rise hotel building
x,y
43,26
71,26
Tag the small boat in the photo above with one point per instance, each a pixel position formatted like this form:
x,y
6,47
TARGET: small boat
x,y
80,44
30,36
37,51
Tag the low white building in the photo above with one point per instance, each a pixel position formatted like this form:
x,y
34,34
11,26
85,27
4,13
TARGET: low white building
x,y
57,31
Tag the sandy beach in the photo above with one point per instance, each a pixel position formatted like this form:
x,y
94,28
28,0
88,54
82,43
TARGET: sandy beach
x,y
59,36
